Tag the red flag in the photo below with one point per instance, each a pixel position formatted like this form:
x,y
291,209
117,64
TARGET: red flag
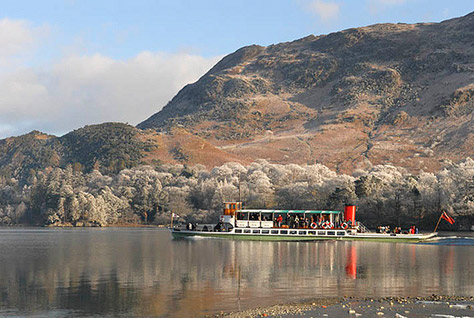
x,y
447,217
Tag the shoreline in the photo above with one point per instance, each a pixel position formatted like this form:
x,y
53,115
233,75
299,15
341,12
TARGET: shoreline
x,y
363,307
131,225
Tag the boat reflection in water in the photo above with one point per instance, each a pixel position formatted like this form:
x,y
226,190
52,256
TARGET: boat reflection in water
x,y
351,262
144,272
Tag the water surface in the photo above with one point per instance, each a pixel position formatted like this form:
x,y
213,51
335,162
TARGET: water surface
x,y
143,272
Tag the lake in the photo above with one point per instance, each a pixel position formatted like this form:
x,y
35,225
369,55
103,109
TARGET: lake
x,y
143,272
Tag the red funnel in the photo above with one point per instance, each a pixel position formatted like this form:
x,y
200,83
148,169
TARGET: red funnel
x,y
350,213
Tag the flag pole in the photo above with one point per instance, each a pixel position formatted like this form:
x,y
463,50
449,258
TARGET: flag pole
x,y
437,224
172,220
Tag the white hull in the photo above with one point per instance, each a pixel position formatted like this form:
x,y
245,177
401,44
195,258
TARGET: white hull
x,y
302,235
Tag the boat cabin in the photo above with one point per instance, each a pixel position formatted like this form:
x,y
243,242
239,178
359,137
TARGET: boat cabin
x,y
297,219
288,218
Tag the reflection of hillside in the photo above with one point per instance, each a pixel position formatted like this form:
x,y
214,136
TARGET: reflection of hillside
x,y
143,272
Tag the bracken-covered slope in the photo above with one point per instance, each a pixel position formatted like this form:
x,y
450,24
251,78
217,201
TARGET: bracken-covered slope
x,y
389,93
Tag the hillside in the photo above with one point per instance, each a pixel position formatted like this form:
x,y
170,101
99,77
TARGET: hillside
x,y
108,147
395,94
389,93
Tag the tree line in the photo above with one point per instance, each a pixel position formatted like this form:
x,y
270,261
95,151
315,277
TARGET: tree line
x,y
384,194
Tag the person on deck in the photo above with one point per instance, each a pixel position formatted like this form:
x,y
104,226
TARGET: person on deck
x,y
279,220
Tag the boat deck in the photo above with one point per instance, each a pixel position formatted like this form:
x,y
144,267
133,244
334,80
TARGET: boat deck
x,y
285,234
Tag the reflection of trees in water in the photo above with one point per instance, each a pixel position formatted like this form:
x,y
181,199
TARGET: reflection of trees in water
x,y
143,272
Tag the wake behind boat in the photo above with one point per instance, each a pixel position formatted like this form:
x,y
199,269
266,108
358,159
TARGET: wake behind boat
x,y
290,225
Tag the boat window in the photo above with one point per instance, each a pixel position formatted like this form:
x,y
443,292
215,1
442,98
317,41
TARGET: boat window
x,y
256,231
312,232
321,232
293,232
283,232
341,233
242,216
238,231
255,216
265,231
274,231
331,233
246,231
302,232
266,216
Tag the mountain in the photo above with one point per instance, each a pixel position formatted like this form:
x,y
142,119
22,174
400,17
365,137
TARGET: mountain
x,y
399,94
108,147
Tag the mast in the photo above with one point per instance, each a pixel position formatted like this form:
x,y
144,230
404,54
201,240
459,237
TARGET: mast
x,y
240,193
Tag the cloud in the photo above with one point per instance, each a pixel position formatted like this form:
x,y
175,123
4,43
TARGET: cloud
x,y
377,6
17,38
87,89
326,11
78,89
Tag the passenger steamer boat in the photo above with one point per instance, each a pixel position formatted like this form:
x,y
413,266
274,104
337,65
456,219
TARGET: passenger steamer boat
x,y
290,225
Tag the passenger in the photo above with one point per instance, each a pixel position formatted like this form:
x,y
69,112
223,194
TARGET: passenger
x,y
279,220
297,222
320,222
416,230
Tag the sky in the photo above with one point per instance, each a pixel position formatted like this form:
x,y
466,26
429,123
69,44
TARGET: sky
x,y
70,63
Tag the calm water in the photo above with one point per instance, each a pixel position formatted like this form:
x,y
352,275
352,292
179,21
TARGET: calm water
x,y
133,272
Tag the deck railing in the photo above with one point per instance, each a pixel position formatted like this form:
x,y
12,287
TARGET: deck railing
x,y
363,228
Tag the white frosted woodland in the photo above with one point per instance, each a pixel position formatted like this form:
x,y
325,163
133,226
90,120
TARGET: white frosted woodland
x,y
147,194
